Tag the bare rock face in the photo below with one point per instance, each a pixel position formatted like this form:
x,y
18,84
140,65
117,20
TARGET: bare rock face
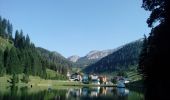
x,y
91,57
98,54
73,58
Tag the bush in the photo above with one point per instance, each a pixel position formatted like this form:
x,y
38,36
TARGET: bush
x,y
25,78
14,80
114,80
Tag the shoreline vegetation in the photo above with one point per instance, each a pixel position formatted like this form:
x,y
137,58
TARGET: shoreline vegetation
x,y
36,81
39,82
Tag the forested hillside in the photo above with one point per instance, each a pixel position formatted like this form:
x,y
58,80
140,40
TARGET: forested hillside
x,y
19,55
122,59
91,57
56,61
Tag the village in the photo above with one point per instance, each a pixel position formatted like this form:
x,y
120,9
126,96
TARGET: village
x,y
95,79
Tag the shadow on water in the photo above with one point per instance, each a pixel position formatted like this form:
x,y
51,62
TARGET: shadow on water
x,y
85,93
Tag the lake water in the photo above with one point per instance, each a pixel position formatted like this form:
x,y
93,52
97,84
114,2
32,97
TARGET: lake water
x,y
71,93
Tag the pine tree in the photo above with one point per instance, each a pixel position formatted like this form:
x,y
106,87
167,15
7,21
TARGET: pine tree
x,y
143,57
27,41
155,60
4,30
6,57
9,30
16,40
2,69
14,65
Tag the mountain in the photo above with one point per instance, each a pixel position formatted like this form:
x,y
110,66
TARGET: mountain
x,y
73,58
55,58
125,57
98,54
91,57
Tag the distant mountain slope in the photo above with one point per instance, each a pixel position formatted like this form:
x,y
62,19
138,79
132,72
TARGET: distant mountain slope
x,y
55,58
92,57
73,58
121,59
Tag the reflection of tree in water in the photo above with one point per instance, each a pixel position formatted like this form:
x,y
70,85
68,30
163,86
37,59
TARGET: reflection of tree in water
x,y
59,94
11,95
86,93
24,94
14,90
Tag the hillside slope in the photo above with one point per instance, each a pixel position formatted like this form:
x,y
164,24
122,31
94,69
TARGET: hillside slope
x,y
56,59
4,43
91,57
121,59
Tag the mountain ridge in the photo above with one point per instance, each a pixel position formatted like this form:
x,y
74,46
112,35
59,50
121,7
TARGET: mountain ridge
x,y
122,59
91,57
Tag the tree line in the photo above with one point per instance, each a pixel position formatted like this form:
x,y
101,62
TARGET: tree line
x,y
121,60
154,58
22,56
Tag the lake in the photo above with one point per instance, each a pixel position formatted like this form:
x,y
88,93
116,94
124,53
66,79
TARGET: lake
x,y
70,93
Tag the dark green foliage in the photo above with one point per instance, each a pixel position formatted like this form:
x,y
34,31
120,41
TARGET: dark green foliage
x,y
159,10
56,61
6,55
25,78
13,63
155,55
60,77
2,69
20,41
121,59
5,29
25,58
122,73
9,30
143,56
14,80
114,80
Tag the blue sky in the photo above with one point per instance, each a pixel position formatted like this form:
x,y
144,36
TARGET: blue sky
x,y
77,26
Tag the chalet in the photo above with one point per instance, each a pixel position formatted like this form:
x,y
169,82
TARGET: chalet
x,y
95,79
76,77
68,75
103,80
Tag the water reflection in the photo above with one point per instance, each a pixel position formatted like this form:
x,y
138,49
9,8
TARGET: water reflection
x,y
85,93
100,93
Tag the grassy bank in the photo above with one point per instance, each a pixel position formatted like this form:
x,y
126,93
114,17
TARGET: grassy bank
x,y
36,81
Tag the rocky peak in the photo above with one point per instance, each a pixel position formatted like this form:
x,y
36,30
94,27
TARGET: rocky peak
x,y
73,58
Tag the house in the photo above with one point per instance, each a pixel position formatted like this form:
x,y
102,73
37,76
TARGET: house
x,y
76,77
85,79
95,79
68,75
103,80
